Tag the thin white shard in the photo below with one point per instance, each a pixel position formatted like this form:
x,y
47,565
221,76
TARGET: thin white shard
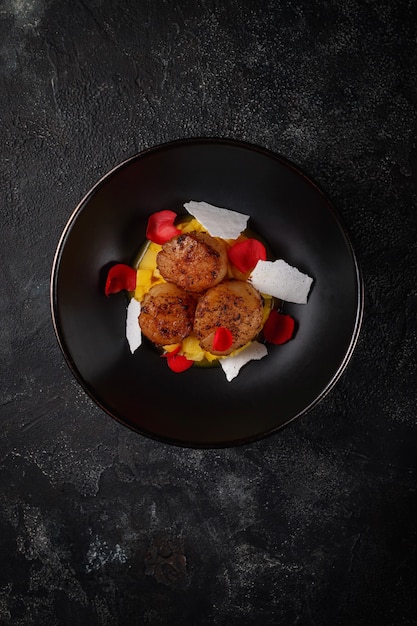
x,y
280,280
133,331
218,222
233,364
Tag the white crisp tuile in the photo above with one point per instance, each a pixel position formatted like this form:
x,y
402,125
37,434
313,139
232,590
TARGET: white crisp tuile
x,y
232,364
218,222
280,280
133,331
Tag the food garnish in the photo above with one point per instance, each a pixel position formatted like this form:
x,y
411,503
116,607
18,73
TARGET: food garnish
x,y
133,331
119,278
234,363
222,223
278,328
203,290
282,281
222,340
161,227
178,362
245,254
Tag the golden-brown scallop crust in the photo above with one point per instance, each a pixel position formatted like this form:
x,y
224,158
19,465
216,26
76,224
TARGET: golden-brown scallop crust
x,y
234,304
167,314
193,261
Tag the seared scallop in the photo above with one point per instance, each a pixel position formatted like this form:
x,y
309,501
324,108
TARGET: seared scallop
x,y
193,261
167,314
234,304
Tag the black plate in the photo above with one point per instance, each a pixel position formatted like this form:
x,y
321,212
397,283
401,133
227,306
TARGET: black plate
x,y
199,407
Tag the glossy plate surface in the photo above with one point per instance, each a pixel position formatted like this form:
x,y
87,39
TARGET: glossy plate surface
x,y
199,407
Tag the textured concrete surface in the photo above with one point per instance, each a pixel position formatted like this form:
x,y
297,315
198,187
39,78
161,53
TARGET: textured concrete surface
x,y
314,526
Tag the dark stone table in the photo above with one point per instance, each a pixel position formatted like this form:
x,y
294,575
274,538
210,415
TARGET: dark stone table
x,y
316,525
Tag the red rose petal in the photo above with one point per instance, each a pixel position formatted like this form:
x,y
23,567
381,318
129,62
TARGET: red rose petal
x,y
222,339
161,227
172,353
278,328
245,254
178,362
120,277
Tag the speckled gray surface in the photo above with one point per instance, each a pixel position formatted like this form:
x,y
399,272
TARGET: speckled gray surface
x,y
316,525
